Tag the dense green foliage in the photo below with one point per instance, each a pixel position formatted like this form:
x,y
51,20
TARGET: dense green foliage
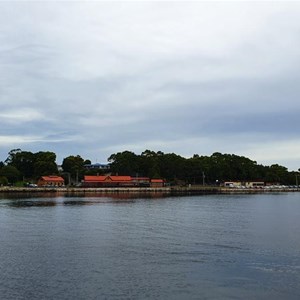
x,y
198,169
27,165
214,169
9,174
74,166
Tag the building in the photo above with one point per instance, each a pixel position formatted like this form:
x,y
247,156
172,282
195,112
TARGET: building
x,y
244,184
254,184
97,166
107,181
51,180
157,183
141,181
120,181
233,184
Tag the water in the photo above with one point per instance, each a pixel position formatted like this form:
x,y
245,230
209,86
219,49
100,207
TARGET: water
x,y
200,247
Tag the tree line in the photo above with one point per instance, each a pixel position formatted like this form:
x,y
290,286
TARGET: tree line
x,y
26,166
198,169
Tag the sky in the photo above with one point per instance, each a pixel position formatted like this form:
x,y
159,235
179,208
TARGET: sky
x,y
96,78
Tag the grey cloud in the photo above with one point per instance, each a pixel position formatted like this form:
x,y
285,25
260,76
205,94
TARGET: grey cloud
x,y
181,77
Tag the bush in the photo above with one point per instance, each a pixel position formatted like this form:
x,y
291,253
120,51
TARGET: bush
x,y
3,181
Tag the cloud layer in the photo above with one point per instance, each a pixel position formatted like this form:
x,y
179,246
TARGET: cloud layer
x,y
93,78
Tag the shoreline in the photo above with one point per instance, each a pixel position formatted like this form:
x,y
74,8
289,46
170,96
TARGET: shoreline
x,y
193,190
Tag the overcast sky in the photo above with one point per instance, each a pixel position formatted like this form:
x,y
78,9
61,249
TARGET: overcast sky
x,y
96,78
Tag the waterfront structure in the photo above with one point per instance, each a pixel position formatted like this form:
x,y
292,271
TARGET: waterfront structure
x,y
106,181
51,180
233,184
140,181
254,184
120,181
157,182
244,184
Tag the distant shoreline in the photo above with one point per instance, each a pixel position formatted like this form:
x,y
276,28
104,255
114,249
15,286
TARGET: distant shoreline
x,y
176,190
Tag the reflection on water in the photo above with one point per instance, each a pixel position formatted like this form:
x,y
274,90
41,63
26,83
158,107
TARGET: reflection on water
x,y
25,195
17,203
98,201
51,199
29,203
117,195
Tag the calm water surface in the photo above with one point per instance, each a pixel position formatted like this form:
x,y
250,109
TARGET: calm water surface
x,y
199,247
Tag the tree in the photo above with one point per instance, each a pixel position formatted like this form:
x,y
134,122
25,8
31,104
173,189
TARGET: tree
x,y
12,155
193,169
172,166
87,162
11,173
24,162
44,163
32,165
3,181
124,163
277,173
74,165
149,163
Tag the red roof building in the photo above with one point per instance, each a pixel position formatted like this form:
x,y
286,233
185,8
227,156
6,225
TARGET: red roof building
x,y
157,183
107,181
51,180
121,181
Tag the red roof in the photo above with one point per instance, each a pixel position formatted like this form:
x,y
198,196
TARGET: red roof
x,y
107,178
157,180
53,178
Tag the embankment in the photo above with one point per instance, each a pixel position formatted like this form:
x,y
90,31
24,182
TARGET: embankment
x,y
176,190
